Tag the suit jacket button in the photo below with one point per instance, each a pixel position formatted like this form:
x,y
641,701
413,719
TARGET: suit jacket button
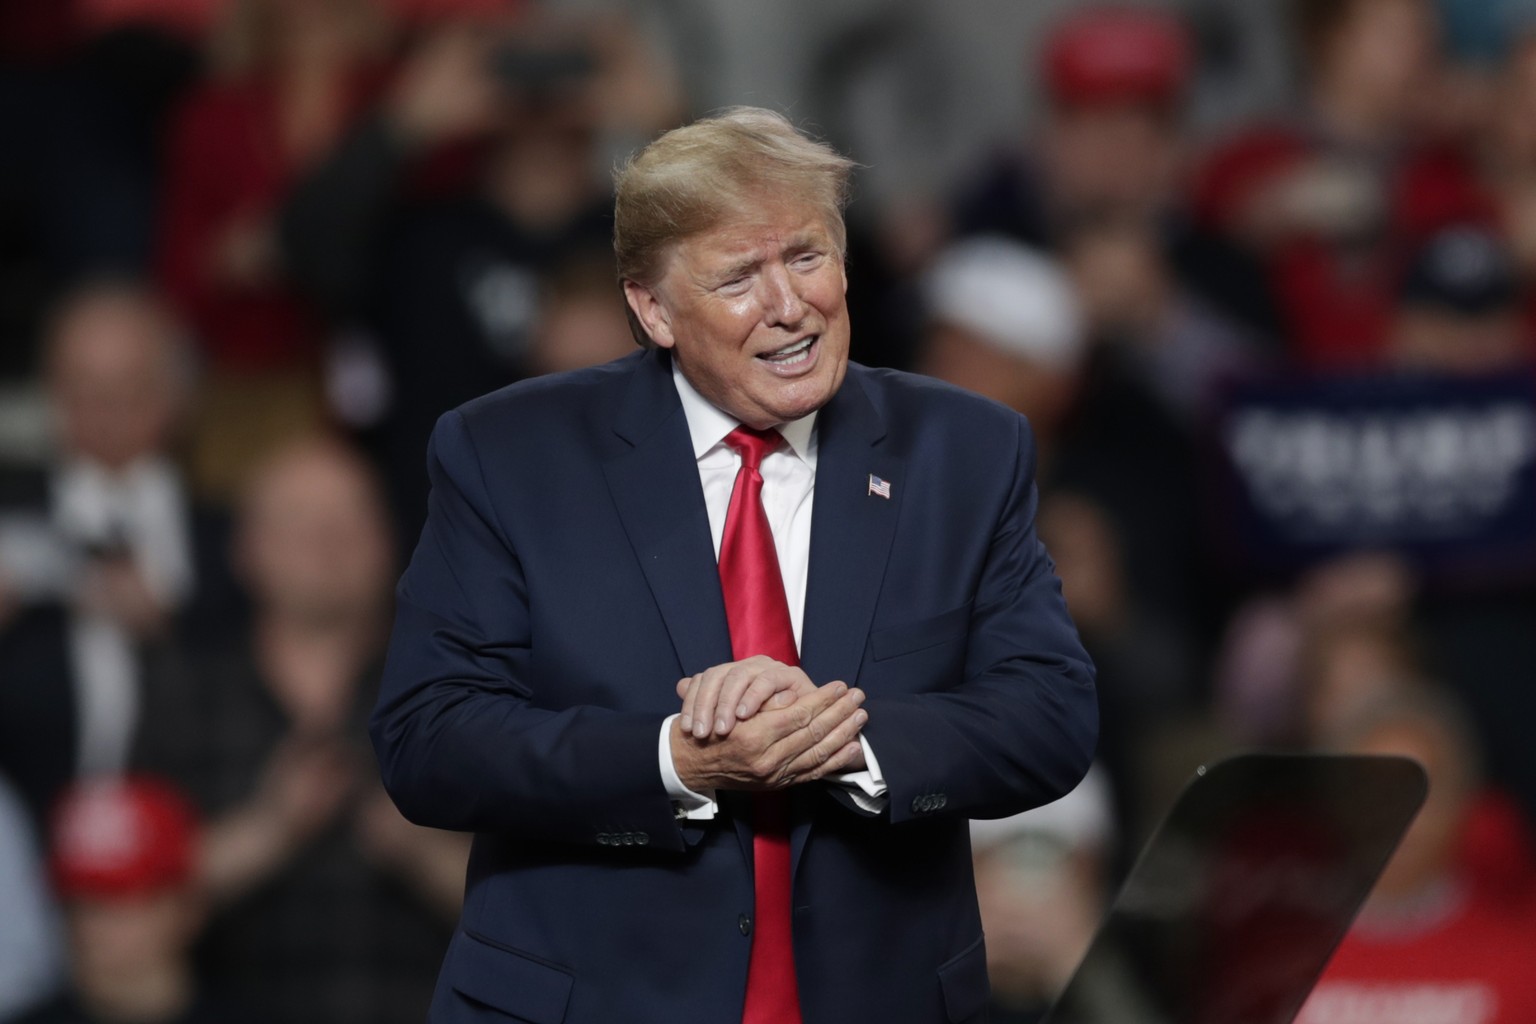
x,y
745,924
642,838
941,801
603,839
917,805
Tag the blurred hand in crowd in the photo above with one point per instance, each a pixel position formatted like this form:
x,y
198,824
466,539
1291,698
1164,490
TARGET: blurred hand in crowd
x,y
1360,585
306,783
1122,279
114,587
245,252
446,88
430,860
1083,542
302,789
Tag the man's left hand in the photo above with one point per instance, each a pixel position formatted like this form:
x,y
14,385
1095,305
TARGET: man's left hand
x,y
719,697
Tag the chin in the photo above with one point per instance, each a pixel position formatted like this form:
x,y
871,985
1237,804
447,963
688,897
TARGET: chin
x,y
803,401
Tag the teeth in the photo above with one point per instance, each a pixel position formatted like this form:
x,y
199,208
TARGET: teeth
x,y
790,350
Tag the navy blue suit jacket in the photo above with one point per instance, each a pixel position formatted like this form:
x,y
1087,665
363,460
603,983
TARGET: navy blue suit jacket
x,y
566,580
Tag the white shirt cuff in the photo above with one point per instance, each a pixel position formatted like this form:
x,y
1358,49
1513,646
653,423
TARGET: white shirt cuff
x,y
689,805
866,788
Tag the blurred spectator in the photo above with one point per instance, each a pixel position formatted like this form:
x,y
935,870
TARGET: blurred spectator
x,y
1459,308
1329,198
1350,662
1292,660
581,321
31,946
1004,322
1431,944
1041,885
1168,336
1008,323
447,288
101,550
122,860
290,77
1113,147
328,906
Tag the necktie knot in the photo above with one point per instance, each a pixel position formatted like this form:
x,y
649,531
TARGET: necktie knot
x,y
753,445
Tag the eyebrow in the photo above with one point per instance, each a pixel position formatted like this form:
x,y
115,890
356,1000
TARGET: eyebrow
x,y
802,242
736,269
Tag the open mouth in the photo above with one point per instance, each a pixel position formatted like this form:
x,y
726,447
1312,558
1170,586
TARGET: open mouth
x,y
793,354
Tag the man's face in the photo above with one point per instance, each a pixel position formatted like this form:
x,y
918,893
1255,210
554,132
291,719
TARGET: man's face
x,y
755,313
1118,158
112,384
313,543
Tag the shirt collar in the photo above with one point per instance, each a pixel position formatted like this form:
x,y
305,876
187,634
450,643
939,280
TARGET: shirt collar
x,y
708,425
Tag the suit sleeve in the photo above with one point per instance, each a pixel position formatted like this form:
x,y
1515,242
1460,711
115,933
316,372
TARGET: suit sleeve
x,y
1020,729
463,739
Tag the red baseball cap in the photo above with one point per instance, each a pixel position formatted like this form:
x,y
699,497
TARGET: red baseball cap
x,y
120,837
1115,54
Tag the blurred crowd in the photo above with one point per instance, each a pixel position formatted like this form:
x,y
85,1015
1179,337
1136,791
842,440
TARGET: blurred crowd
x,y
251,249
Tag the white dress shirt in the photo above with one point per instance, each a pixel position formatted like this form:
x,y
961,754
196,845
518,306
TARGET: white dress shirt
x,y
141,508
789,486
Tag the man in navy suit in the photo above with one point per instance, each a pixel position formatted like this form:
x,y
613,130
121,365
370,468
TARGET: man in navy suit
x,y
572,586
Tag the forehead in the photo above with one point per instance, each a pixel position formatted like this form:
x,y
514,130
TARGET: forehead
x,y
754,233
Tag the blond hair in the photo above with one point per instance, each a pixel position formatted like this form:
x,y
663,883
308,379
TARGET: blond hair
x,y
692,178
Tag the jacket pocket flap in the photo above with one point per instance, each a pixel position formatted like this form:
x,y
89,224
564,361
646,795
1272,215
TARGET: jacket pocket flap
x,y
964,981
505,980
914,636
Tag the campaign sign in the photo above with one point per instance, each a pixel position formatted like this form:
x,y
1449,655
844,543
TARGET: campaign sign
x,y
1441,469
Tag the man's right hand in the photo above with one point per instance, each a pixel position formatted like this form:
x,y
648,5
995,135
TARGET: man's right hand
x,y
816,736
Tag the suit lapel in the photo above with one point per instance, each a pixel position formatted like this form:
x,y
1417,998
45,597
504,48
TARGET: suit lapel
x,y
654,481
851,533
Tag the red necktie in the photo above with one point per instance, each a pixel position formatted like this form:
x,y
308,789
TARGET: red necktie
x,y
758,615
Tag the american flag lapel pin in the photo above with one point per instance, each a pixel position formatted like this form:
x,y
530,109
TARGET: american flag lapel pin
x,y
879,488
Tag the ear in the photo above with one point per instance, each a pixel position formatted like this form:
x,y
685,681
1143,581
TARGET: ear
x,y
651,312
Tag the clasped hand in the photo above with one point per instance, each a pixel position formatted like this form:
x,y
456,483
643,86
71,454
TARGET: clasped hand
x,y
760,724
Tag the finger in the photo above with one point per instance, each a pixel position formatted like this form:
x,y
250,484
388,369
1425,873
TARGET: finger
x,y
690,687
682,687
792,720
705,696
745,691
813,718
816,760
770,683
821,731
740,677
841,761
782,699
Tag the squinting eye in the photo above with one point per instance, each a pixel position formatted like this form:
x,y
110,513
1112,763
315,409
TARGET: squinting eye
x,y
807,259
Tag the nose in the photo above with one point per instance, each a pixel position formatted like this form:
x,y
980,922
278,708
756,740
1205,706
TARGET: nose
x,y
782,304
